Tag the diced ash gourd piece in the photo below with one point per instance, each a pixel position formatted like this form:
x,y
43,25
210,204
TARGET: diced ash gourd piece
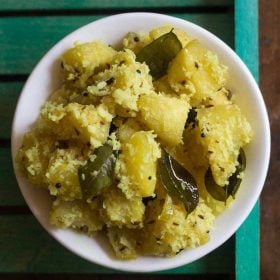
x,y
120,211
168,230
87,123
75,214
165,115
62,174
123,242
222,193
222,130
197,72
79,62
138,163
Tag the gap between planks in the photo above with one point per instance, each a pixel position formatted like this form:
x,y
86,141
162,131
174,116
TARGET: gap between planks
x,y
119,276
5,143
10,78
13,211
101,11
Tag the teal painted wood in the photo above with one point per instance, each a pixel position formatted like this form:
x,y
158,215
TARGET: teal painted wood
x,y
246,34
247,255
24,40
247,43
11,5
30,249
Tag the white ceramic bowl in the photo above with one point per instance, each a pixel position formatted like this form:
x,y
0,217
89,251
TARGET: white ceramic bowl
x,y
45,79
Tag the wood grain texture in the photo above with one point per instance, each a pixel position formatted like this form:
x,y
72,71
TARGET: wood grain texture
x,y
270,85
24,40
8,5
45,255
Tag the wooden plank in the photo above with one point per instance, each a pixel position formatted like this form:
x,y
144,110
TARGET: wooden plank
x,y
246,40
246,34
270,84
9,93
25,253
9,192
21,50
11,5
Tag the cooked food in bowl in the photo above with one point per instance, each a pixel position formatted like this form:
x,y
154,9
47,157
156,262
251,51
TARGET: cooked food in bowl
x,y
144,144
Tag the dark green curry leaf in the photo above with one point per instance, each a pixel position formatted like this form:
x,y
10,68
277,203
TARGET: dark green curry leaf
x,y
178,181
159,53
98,174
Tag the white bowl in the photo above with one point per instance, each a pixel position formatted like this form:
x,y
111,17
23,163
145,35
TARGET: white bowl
x,y
45,79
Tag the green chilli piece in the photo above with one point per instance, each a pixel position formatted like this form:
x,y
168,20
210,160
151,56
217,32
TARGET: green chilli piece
x,y
178,182
159,53
97,175
223,193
